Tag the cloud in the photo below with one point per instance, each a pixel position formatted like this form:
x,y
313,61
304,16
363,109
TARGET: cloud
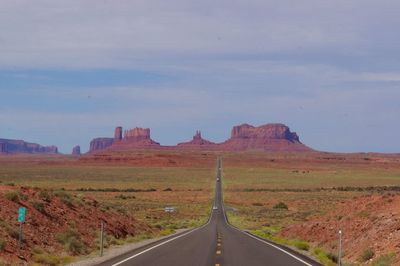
x,y
328,69
120,34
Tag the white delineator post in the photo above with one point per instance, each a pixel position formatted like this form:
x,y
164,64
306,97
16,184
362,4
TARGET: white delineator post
x,y
340,248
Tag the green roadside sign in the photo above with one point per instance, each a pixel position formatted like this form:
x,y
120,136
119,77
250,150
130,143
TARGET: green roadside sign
x,y
21,214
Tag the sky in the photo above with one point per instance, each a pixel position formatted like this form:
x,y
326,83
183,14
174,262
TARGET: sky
x,y
73,70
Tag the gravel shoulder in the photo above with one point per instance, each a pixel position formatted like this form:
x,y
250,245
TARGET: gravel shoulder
x,y
119,250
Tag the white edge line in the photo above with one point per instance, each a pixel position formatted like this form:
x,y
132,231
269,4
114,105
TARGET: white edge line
x,y
263,241
158,245
281,249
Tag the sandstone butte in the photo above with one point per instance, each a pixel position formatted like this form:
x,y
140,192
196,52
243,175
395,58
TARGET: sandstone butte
x,y
11,146
269,137
76,150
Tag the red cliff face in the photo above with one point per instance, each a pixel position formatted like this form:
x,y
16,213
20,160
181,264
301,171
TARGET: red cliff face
x,y
197,142
118,134
270,137
137,134
19,146
139,137
133,138
269,131
99,144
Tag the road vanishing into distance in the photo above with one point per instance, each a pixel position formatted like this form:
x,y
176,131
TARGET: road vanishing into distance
x,y
216,243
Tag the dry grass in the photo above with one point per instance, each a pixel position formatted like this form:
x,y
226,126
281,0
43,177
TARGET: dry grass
x,y
189,189
310,185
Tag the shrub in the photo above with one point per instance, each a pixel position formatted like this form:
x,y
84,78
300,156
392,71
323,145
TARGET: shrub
x,y
333,257
65,198
71,241
37,250
168,189
14,233
281,205
46,259
75,246
39,206
22,196
384,260
166,232
45,195
302,245
12,196
326,259
2,244
367,254
257,204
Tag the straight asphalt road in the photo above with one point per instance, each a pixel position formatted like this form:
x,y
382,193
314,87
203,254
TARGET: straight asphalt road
x,y
215,244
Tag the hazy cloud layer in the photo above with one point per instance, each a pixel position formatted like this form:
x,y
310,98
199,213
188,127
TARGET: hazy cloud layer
x,y
330,70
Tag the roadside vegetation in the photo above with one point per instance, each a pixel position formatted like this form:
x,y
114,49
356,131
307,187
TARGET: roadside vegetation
x,y
60,186
301,201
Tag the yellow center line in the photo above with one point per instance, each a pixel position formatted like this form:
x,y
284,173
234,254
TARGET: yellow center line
x,y
218,252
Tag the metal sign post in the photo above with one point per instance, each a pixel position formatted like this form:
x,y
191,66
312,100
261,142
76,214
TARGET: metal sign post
x,y
101,238
21,220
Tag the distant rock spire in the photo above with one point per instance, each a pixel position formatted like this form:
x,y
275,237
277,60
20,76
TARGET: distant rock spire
x,y
76,150
197,136
118,134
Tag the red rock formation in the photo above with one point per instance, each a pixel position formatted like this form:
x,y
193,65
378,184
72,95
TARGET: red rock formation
x,y
76,150
197,142
3,147
118,134
270,137
138,137
137,134
99,144
19,146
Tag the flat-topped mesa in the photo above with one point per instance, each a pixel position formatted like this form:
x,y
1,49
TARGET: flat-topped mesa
x,y
12,146
138,137
99,144
3,148
270,137
137,134
197,141
269,131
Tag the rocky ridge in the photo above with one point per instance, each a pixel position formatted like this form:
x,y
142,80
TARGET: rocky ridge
x,y
11,146
269,137
197,142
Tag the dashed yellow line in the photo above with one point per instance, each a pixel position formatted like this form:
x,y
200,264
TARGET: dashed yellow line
x,y
218,252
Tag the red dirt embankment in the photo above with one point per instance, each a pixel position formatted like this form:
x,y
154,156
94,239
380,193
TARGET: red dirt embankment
x,y
369,222
56,223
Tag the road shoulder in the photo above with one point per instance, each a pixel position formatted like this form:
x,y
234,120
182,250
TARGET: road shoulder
x,y
120,250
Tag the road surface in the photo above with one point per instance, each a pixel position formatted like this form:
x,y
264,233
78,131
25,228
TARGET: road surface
x,y
216,243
